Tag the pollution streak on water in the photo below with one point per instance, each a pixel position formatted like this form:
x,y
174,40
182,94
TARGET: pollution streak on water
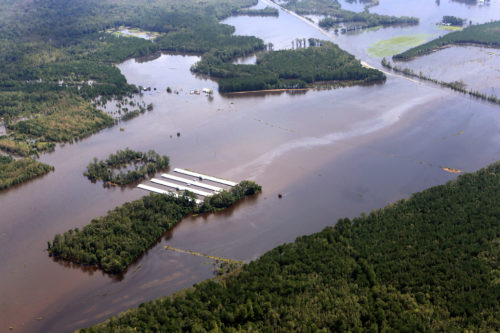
x,y
331,153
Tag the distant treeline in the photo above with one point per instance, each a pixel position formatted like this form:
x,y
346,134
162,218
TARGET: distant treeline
x,y
365,19
487,34
113,241
144,165
13,172
425,264
336,15
267,11
321,63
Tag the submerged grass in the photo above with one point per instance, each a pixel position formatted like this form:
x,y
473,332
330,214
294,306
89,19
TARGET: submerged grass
x,y
389,47
449,28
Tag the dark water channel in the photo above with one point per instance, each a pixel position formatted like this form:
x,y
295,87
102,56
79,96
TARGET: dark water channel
x,y
331,153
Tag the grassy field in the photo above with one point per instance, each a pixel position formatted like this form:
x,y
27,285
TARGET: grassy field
x,y
389,47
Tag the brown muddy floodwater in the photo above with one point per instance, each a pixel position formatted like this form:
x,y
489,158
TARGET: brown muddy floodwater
x,y
331,153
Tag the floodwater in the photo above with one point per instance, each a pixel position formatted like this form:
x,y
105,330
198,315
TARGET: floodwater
x,y
331,153
478,68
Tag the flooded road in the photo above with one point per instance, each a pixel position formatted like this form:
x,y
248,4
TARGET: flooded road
x,y
331,153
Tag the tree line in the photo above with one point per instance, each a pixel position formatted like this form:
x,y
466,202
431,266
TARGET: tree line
x,y
267,11
481,35
227,198
364,19
336,15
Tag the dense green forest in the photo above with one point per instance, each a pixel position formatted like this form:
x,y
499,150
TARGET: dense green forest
x,y
336,15
364,20
321,63
113,241
14,172
424,264
487,34
225,199
144,164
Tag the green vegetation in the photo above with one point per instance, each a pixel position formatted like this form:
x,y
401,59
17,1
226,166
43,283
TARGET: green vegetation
x,y
428,263
225,199
267,11
144,164
395,45
456,85
321,63
71,119
337,15
487,34
363,20
114,241
14,172
453,20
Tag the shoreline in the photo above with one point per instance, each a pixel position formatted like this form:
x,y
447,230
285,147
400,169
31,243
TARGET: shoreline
x,y
442,47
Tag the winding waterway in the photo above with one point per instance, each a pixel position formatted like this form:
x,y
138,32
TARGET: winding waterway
x,y
331,153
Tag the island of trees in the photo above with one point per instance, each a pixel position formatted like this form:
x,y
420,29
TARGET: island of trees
x,y
343,19
453,20
267,11
143,164
427,263
114,241
321,63
363,20
227,198
14,172
487,34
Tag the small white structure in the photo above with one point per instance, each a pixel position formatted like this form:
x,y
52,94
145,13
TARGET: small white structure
x,y
180,187
160,191
205,177
192,182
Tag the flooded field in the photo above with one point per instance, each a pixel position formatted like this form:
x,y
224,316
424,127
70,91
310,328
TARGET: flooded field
x,y
478,68
330,153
